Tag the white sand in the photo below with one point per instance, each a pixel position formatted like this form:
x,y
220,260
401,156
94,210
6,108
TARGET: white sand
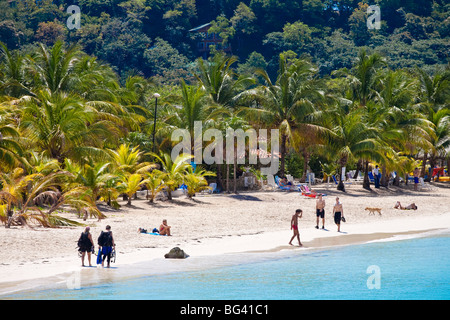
x,y
216,224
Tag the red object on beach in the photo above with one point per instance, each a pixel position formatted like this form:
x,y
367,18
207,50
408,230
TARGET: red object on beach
x,y
436,170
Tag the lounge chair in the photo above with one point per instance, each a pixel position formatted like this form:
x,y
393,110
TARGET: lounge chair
x,y
371,178
334,178
283,187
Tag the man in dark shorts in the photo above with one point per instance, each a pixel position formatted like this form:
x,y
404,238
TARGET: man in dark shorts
x,y
338,212
320,211
294,226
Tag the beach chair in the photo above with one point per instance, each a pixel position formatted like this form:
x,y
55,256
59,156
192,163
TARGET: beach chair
x,y
278,184
213,188
334,178
371,178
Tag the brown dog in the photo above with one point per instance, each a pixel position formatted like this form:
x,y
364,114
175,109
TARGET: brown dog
x,y
372,210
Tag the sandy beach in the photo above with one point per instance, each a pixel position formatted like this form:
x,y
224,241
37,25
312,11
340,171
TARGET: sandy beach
x,y
225,223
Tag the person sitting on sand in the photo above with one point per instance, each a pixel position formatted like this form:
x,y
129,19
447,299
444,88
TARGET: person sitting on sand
x,y
164,229
412,206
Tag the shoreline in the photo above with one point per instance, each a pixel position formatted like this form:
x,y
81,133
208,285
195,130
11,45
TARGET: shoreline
x,y
61,275
209,227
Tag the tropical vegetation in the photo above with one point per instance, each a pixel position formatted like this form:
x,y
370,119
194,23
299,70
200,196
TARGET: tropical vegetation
x,y
79,114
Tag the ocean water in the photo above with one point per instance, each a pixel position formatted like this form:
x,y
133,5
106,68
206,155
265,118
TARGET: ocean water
x,y
401,268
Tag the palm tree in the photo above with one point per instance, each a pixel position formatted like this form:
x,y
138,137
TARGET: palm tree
x,y
129,160
131,183
195,180
173,170
362,77
15,82
351,138
433,104
402,127
219,80
64,125
10,148
54,68
289,104
20,191
154,183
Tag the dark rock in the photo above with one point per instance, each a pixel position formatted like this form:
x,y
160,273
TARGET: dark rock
x,y
176,253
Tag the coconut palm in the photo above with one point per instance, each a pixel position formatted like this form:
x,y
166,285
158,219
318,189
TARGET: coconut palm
x,y
434,96
13,67
10,148
195,180
351,138
173,170
64,125
154,183
130,184
289,104
220,81
20,192
129,160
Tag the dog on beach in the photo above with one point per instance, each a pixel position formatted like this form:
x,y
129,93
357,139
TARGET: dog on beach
x,y
373,210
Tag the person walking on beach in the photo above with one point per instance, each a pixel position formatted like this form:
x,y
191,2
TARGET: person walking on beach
x,y
294,226
86,244
106,244
320,211
338,212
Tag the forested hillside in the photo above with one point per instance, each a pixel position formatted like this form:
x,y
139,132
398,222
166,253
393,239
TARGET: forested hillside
x,y
152,38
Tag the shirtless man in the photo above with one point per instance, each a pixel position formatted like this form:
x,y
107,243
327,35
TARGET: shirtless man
x,y
294,226
164,229
320,211
338,213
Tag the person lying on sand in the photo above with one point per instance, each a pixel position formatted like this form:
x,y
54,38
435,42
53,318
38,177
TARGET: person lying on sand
x,y
412,206
164,229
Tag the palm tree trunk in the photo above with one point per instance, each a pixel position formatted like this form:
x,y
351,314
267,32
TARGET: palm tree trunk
x,y
366,182
234,173
384,178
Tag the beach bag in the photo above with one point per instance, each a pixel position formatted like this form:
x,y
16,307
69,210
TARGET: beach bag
x,y
104,239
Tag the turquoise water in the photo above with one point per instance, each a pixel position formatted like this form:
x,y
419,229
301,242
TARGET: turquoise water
x,y
410,269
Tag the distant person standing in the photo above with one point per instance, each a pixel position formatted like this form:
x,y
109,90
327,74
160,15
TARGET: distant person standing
x,y
294,226
416,178
320,211
376,176
338,212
